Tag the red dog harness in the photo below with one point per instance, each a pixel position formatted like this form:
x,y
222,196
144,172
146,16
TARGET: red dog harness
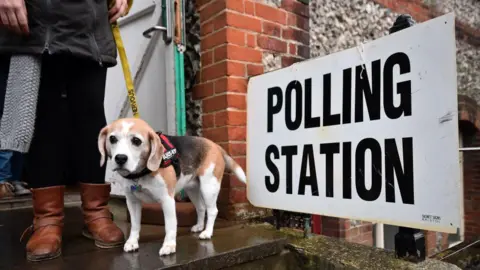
x,y
170,154
170,158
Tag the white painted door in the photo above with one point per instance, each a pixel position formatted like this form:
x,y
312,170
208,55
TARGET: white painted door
x,y
152,66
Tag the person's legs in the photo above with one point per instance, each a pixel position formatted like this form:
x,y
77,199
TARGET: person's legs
x,y
45,164
85,95
46,157
10,162
17,169
6,189
5,166
17,165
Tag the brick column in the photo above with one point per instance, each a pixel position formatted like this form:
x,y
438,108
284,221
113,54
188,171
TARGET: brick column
x,y
471,191
355,231
239,39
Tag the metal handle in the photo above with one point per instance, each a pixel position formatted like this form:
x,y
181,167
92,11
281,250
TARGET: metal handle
x,y
167,29
147,33
469,149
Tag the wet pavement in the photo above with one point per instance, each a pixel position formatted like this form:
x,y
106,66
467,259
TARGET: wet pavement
x,y
283,261
229,246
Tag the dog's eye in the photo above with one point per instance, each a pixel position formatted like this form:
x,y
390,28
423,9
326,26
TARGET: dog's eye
x,y
136,141
113,139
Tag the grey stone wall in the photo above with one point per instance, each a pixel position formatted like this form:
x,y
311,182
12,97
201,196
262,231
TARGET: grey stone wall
x,y
337,25
271,61
192,66
468,70
467,11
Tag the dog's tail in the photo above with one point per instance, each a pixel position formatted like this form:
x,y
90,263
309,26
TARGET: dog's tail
x,y
234,167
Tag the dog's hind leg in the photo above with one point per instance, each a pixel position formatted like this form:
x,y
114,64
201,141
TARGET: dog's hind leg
x,y
193,191
209,189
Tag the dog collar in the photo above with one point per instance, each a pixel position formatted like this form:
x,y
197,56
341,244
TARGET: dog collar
x,y
141,174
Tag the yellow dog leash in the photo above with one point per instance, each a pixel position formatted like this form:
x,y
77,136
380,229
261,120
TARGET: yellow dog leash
x,y
124,61
126,68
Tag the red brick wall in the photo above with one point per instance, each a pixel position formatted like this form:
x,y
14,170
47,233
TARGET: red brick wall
x,y
235,34
430,242
360,232
471,189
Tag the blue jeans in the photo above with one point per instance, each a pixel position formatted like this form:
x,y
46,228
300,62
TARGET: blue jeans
x,y
10,165
10,162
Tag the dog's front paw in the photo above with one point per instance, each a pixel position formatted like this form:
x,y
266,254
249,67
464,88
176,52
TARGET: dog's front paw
x,y
205,235
130,245
197,228
167,249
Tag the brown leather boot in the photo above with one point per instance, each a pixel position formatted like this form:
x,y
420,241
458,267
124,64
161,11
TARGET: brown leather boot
x,y
98,219
7,190
46,240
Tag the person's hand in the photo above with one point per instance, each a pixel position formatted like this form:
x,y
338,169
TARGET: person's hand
x,y
117,10
13,15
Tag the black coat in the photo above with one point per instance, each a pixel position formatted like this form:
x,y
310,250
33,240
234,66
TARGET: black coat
x,y
76,27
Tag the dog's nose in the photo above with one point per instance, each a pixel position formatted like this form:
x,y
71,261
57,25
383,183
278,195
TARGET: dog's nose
x,y
121,159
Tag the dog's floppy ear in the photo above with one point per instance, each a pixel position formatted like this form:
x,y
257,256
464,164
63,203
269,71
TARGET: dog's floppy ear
x,y
156,151
102,146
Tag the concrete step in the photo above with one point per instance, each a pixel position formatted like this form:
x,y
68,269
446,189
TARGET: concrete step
x,y
229,246
71,199
285,260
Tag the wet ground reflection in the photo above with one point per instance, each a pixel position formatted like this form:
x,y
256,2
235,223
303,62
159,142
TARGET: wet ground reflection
x,y
80,253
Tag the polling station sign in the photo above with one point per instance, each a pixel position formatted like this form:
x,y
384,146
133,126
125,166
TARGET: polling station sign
x,y
369,133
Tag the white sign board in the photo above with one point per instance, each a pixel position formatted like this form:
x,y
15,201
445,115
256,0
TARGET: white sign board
x,y
369,133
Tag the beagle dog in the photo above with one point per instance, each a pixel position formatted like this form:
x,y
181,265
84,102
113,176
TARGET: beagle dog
x,y
152,174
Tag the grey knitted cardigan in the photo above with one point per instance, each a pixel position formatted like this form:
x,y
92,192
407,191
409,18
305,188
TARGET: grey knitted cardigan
x,y
92,39
18,121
